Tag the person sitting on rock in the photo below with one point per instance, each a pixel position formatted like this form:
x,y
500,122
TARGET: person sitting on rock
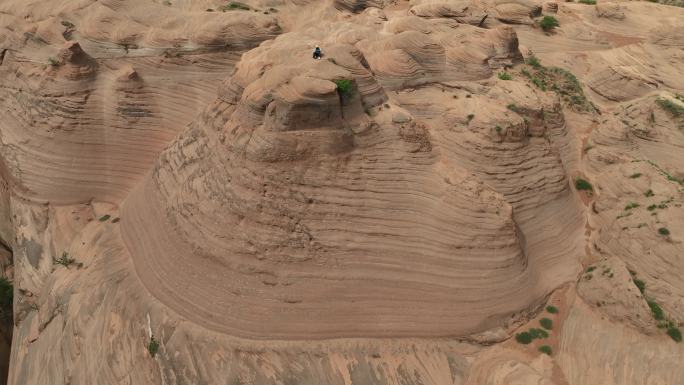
x,y
317,53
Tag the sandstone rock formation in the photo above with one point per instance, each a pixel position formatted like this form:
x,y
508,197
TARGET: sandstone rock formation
x,y
449,196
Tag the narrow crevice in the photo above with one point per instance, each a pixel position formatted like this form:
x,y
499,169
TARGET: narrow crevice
x,y
6,310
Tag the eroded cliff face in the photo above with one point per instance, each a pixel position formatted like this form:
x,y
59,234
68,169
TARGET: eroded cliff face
x,y
188,197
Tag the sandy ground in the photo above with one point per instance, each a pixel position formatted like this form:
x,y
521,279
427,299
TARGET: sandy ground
x,y
395,213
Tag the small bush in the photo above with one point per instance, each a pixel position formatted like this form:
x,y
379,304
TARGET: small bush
x,y
498,128
663,231
53,62
534,61
64,260
552,309
635,175
641,285
675,109
674,333
470,117
546,323
590,269
546,349
631,205
68,24
539,83
233,5
589,2
543,333
512,107
656,310
116,220
344,87
534,333
104,218
548,23
649,193
583,184
505,76
153,346
523,338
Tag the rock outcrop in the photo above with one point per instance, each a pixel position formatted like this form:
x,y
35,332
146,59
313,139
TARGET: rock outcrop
x,y
448,196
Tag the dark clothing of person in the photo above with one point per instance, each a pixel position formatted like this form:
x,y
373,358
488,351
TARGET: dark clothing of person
x,y
317,53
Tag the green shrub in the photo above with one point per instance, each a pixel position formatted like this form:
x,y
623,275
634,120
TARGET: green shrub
x,y
583,184
663,231
675,109
546,323
470,117
153,346
543,333
631,205
546,349
552,309
524,338
53,62
534,61
539,83
641,285
649,193
104,218
548,23
635,175
674,333
64,260
590,269
68,24
505,76
589,2
233,5
344,87
656,310
498,128
534,333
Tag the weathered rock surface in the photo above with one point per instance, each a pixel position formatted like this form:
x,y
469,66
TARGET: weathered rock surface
x,y
187,197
